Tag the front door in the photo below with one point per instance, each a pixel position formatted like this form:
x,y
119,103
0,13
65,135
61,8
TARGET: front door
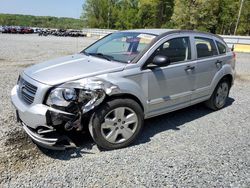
x,y
170,87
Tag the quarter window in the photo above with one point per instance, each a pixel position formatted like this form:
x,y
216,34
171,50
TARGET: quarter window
x,y
205,47
221,47
176,49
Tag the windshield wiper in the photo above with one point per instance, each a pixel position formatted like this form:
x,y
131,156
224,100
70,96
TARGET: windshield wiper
x,y
107,57
85,53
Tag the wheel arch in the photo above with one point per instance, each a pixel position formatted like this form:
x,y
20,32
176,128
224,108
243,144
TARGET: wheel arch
x,y
126,96
228,77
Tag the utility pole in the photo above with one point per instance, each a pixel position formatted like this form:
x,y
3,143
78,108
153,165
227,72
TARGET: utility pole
x,y
238,19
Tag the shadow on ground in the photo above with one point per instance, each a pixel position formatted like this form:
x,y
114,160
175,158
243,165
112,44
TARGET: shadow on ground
x,y
174,120
153,126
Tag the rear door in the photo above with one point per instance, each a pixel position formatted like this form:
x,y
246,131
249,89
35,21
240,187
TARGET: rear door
x,y
207,65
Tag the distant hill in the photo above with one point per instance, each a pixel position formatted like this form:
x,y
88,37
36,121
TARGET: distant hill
x,y
40,21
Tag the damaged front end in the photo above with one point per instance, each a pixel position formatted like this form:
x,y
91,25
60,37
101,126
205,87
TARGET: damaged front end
x,y
69,109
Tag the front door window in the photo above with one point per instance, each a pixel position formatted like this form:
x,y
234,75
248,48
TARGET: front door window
x,y
176,49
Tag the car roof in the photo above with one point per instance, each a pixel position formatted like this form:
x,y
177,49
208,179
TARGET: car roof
x,y
150,31
165,32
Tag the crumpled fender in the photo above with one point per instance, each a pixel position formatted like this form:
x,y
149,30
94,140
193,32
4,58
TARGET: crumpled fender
x,y
129,86
96,88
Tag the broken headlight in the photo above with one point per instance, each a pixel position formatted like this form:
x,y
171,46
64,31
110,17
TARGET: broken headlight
x,y
86,93
61,96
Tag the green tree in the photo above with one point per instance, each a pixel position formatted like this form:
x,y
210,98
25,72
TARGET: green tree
x,y
154,13
228,16
244,25
40,21
96,13
127,14
196,14
216,16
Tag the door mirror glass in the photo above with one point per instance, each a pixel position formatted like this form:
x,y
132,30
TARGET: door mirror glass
x,y
161,60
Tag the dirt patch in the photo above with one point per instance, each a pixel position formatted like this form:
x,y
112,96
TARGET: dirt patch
x,y
17,138
19,152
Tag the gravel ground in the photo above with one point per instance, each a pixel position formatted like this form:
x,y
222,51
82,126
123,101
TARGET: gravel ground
x,y
193,147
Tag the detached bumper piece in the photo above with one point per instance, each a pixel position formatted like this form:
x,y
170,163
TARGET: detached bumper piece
x,y
49,138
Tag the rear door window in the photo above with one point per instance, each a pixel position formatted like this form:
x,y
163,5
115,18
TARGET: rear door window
x,y
205,47
221,47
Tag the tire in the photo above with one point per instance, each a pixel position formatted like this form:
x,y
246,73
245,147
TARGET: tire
x,y
116,124
220,95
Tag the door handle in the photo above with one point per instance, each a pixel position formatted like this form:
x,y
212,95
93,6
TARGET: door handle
x,y
218,63
189,68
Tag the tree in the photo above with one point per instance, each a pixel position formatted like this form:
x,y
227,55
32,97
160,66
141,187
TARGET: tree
x,y
127,14
154,13
228,15
196,14
40,21
216,16
95,13
244,25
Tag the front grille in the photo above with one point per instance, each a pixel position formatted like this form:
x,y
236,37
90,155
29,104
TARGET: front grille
x,y
26,91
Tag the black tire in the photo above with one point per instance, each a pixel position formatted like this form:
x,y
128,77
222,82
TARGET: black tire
x,y
104,110
211,103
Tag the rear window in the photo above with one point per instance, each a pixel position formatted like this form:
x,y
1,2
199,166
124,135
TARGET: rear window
x,y
205,47
221,47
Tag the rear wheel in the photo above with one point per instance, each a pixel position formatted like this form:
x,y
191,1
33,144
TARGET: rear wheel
x,y
117,123
219,96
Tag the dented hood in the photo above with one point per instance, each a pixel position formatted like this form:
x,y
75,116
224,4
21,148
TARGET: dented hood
x,y
71,68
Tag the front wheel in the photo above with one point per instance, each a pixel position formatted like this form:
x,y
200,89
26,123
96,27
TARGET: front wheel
x,y
219,96
117,123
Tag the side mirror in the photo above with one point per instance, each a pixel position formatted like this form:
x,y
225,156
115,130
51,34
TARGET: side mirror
x,y
161,60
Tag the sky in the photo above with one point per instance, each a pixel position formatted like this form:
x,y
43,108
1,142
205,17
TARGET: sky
x,y
58,8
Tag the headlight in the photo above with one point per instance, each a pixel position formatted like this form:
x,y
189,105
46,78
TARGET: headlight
x,y
86,92
69,94
61,96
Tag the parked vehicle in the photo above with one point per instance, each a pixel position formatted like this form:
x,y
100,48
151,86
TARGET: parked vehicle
x,y
17,30
120,80
61,33
26,30
6,29
44,32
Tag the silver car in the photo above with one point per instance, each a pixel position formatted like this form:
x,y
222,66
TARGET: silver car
x,y
114,84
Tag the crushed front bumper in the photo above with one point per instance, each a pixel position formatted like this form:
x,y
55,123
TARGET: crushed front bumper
x,y
49,138
35,121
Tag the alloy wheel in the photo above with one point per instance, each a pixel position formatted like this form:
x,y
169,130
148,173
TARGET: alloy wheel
x,y
119,125
221,94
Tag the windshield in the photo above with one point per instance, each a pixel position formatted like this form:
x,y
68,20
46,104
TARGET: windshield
x,y
120,46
